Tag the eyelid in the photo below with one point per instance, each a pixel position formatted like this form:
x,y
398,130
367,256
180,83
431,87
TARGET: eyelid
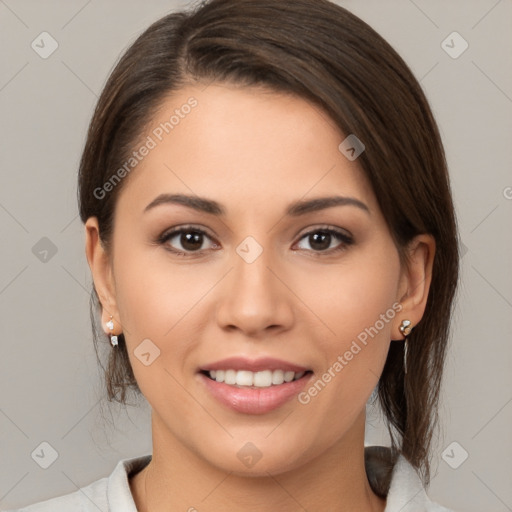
x,y
186,227
324,227
172,232
343,236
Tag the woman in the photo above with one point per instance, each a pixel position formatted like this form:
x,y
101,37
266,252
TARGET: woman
x,y
271,234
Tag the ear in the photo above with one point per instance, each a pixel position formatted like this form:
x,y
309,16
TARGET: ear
x,y
415,282
101,269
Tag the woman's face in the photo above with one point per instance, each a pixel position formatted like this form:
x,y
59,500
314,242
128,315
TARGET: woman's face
x,y
263,273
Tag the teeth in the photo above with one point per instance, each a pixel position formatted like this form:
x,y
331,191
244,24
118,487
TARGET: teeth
x,y
230,377
277,377
244,378
288,376
263,379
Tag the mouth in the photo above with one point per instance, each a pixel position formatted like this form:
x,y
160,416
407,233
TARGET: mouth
x,y
254,380
253,387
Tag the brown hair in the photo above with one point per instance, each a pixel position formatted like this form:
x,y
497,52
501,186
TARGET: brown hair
x,y
322,53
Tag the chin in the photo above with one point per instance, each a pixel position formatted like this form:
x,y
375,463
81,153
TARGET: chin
x,y
258,458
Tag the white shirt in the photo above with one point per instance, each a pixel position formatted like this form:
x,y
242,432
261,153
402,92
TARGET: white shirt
x,y
112,494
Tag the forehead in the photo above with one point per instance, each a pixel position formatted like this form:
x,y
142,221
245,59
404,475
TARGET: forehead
x,y
243,146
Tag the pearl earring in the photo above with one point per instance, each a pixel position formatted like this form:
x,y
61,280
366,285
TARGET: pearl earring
x,y
405,327
113,338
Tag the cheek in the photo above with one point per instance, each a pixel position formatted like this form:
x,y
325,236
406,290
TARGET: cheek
x,y
358,303
142,295
154,292
351,298
160,300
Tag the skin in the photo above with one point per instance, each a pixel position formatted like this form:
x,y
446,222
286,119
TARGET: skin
x,y
254,152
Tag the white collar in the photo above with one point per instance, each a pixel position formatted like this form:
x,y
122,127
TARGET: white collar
x,y
406,492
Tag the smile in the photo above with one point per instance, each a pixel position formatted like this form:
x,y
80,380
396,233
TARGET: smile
x,y
261,379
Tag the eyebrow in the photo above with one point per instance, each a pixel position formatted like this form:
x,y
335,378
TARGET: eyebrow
x,y
295,209
302,207
197,203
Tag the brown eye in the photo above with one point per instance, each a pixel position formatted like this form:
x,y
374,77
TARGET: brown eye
x,y
186,240
191,241
326,240
320,241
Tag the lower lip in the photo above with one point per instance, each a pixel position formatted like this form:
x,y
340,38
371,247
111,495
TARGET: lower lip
x,y
254,400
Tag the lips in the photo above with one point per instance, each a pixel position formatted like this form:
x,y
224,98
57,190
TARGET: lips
x,y
253,386
265,363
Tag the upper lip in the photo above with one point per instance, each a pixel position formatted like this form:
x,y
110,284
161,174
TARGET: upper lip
x,y
253,365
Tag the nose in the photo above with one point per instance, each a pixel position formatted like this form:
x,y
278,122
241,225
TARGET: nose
x,y
254,300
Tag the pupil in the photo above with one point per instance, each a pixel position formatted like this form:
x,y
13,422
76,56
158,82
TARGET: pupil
x,y
191,240
322,241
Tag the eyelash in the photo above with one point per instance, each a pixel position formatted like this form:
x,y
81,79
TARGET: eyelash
x,y
345,239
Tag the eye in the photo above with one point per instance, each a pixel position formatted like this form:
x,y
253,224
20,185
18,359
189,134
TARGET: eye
x,y
326,240
186,240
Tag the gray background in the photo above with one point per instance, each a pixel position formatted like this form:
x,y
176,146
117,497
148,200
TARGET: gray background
x,y
49,382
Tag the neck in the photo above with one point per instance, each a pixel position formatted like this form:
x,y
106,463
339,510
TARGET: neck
x,y
177,479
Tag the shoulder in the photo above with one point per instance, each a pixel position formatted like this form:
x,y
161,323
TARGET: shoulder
x,y
406,492
91,497
394,478
110,493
